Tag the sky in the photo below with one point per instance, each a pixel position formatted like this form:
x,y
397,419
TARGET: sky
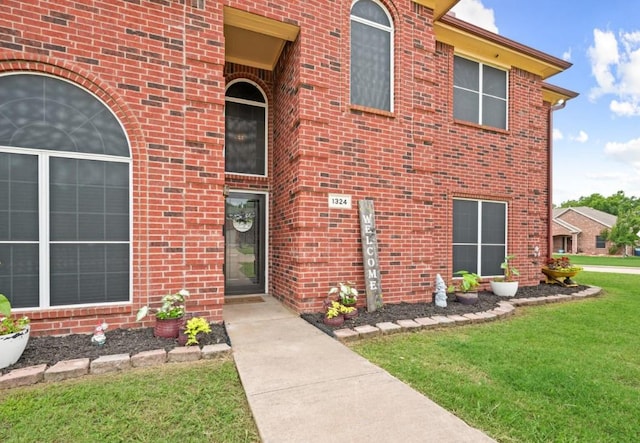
x,y
596,137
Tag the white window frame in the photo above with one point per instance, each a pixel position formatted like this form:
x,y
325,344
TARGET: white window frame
x,y
264,105
44,242
479,243
391,30
482,94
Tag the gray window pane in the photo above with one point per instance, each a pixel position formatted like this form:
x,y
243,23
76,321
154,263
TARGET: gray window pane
x,y
89,273
19,274
370,66
117,228
465,221
245,139
371,11
492,257
466,74
91,227
465,258
494,112
246,91
43,112
493,223
18,197
494,82
466,105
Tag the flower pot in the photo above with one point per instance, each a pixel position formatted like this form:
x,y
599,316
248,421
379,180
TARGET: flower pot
x,y
182,337
504,288
467,298
12,346
334,321
352,314
167,328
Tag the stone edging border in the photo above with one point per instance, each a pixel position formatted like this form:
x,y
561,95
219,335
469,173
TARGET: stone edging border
x,y
505,308
80,367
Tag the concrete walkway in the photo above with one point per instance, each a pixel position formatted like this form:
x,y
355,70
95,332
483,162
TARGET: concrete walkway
x,y
304,386
612,269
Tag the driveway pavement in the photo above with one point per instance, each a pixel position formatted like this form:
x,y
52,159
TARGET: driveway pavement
x,y
612,269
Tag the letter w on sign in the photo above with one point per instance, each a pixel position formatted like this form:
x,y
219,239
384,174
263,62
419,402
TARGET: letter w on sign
x,y
370,255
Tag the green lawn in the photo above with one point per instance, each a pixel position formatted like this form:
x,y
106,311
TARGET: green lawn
x,y
603,260
556,373
201,401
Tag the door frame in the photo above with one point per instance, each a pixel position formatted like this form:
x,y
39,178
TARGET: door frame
x,y
265,241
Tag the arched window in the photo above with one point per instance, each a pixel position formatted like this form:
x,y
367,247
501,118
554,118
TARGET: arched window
x,y
371,55
246,129
64,195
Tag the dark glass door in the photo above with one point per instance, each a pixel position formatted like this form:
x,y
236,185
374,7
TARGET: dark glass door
x,y
244,230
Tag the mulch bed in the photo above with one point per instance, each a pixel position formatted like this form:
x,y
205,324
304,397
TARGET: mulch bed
x,y
52,349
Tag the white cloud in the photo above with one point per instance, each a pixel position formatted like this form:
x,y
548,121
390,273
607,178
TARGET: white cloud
x,y
566,55
626,152
615,64
474,12
557,134
582,137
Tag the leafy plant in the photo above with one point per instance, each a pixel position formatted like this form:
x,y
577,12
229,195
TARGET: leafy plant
x,y
195,326
173,306
335,309
347,293
562,264
468,283
509,270
9,324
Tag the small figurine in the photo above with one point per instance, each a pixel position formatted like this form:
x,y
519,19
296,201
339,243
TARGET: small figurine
x,y
441,292
99,338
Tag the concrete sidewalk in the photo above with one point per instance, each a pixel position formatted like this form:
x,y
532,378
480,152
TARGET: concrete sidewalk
x,y
304,386
611,269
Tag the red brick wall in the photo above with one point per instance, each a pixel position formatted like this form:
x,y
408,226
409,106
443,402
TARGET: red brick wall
x,y
160,66
587,237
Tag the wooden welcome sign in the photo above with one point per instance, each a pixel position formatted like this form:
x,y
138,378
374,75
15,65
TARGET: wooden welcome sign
x,y
370,255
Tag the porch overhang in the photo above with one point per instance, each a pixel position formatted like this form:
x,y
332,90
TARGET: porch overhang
x,y
439,7
254,40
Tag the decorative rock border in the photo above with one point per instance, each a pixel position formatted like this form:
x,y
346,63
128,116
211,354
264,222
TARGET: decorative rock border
x,y
80,367
504,309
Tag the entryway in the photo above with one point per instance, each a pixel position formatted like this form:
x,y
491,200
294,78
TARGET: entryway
x,y
245,232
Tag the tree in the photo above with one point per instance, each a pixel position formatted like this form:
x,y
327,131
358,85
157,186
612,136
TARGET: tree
x,y
615,204
625,232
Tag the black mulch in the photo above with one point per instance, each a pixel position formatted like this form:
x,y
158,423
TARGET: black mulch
x,y
404,311
50,350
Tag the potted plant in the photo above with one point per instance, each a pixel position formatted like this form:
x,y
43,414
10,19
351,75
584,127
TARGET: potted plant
x,y
194,326
560,270
14,334
466,288
334,313
347,294
169,316
506,286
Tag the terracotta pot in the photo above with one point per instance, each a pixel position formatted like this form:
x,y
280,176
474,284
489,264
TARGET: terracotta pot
x,y
467,298
335,321
352,314
167,328
182,337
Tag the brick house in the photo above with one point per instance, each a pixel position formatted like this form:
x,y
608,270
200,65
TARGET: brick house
x,y
222,147
577,230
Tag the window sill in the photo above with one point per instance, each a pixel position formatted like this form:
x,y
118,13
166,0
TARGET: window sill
x,y
367,110
481,127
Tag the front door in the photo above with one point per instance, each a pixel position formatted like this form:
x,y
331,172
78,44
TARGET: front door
x,y
244,230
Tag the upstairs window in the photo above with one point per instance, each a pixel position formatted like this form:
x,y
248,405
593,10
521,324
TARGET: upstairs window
x,y
479,236
479,93
64,196
371,56
246,129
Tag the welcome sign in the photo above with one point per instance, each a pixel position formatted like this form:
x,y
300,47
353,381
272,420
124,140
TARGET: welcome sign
x,y
370,255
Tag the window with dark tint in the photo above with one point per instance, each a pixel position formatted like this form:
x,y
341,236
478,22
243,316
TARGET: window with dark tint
x,y
371,56
479,236
245,133
64,171
600,242
479,93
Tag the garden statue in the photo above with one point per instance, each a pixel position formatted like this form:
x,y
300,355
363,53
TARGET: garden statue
x,y
99,337
441,292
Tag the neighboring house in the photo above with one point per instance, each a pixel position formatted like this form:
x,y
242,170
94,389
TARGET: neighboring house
x,y
577,230
223,146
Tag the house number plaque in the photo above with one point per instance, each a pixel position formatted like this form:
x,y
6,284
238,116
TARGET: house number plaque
x,y
370,255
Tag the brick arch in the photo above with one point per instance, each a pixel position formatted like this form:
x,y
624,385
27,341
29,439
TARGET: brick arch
x,y
81,77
